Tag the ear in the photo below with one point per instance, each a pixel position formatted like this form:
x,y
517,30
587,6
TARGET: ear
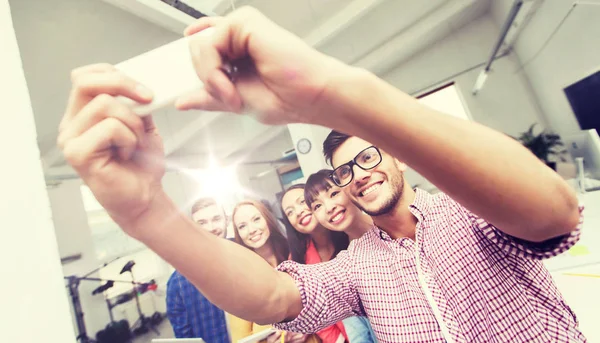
x,y
400,165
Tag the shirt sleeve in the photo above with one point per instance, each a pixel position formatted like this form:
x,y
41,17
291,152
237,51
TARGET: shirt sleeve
x,y
526,249
327,292
176,311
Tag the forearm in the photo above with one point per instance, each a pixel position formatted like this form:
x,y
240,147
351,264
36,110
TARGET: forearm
x,y
488,172
230,276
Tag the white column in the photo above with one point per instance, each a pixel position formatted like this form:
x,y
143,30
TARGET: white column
x,y
313,161
34,301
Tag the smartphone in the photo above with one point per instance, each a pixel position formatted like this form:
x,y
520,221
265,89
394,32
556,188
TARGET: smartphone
x,y
168,71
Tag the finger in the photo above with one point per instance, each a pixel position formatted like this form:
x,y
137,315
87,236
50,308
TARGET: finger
x,y
104,137
87,85
101,107
200,100
149,126
222,88
210,53
92,68
201,24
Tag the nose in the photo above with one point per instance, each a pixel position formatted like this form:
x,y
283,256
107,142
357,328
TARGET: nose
x,y
299,212
360,176
252,230
329,206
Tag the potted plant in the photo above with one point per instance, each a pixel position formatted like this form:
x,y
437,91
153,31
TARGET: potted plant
x,y
543,145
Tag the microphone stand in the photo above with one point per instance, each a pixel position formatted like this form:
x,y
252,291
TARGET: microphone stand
x,y
73,284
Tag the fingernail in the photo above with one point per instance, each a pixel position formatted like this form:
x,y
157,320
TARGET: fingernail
x,y
144,92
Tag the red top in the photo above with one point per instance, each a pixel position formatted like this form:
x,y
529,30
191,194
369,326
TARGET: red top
x,y
332,333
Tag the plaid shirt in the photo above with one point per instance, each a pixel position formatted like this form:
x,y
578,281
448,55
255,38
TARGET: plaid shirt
x,y
191,314
460,280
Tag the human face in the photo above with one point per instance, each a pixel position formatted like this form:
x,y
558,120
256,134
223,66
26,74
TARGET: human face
x,y
297,212
251,226
376,191
211,219
334,210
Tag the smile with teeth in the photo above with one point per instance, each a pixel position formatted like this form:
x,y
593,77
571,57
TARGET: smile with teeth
x,y
370,189
255,238
338,217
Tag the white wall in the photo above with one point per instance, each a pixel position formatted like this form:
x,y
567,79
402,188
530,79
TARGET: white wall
x,y
506,103
314,160
570,55
34,302
73,236
268,185
60,35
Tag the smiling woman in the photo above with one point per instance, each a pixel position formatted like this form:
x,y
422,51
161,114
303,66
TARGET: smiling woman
x,y
256,228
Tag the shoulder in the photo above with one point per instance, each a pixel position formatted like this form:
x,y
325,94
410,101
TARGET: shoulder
x,y
365,242
176,280
437,204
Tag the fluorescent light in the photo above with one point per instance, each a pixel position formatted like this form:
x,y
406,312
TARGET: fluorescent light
x,y
480,81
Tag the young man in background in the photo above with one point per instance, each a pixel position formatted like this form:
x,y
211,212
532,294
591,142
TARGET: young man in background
x,y
190,313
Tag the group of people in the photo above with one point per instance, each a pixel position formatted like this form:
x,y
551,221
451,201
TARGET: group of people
x,y
320,221
463,265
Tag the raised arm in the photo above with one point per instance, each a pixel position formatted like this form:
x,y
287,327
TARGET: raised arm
x,y
232,277
120,157
486,171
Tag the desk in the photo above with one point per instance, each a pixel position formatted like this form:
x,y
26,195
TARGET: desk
x,y
582,293
587,250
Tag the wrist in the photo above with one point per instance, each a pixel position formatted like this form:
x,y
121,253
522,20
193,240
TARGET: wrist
x,y
153,219
343,96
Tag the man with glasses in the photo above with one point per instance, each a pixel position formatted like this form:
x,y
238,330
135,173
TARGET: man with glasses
x,y
456,267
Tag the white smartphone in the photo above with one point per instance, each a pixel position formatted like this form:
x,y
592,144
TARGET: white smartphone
x,y
168,71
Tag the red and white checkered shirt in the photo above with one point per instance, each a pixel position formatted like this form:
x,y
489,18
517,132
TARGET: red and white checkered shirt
x,y
460,280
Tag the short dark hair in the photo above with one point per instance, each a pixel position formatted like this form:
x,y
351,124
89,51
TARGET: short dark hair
x,y
317,183
332,143
203,203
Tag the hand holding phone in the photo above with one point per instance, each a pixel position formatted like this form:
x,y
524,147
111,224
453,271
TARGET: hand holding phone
x,y
167,71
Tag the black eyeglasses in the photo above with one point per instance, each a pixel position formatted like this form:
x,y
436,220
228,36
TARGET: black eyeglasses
x,y
366,159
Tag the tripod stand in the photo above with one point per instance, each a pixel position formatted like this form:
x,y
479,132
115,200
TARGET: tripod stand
x,y
145,324
73,285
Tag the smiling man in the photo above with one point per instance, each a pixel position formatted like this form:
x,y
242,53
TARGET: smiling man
x,y
460,266
190,313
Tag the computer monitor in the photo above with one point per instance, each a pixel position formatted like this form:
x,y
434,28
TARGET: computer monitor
x,y
584,100
586,144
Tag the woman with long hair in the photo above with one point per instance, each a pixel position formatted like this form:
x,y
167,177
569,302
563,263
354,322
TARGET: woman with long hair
x,y
256,228
311,243
334,210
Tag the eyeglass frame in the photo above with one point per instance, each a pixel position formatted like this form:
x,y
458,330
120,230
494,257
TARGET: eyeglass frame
x,y
353,163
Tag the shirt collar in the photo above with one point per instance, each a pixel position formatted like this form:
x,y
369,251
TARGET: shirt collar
x,y
419,208
421,204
